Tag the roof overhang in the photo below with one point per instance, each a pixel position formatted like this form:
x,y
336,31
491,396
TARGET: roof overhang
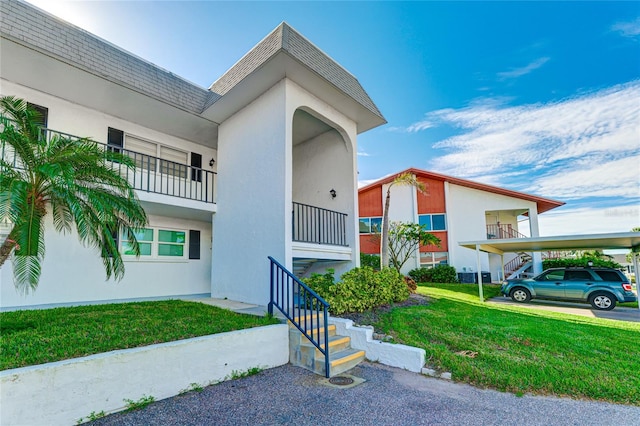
x,y
543,204
54,75
622,240
285,53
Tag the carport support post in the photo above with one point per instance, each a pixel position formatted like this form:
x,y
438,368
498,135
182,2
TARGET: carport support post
x,y
479,274
635,274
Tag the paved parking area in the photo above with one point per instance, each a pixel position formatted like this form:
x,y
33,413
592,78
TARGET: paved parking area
x,y
618,313
289,395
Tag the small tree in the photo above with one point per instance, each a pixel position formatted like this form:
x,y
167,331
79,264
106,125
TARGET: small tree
x,y
405,239
402,179
70,179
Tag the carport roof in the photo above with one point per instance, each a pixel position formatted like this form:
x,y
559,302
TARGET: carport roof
x,y
620,240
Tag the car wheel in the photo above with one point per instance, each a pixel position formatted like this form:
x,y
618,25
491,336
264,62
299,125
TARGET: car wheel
x,y
603,301
520,294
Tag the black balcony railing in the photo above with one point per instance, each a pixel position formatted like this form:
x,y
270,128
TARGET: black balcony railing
x,y
317,225
152,174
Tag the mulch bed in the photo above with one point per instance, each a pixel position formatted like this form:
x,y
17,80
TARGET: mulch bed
x,y
371,317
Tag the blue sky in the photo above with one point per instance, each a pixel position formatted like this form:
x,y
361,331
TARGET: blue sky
x,y
539,97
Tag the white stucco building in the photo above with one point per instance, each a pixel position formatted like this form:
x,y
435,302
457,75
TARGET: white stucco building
x,y
454,210
262,163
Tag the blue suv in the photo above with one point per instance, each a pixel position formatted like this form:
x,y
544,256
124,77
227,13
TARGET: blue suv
x,y
601,287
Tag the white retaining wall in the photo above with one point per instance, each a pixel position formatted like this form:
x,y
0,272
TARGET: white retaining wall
x,y
60,393
391,354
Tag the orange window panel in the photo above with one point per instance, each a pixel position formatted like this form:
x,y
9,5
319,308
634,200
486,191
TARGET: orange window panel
x,y
370,202
444,246
432,201
369,244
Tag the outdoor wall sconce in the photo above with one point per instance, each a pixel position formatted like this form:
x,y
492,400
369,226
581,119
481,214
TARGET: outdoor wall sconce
x,y
333,193
212,162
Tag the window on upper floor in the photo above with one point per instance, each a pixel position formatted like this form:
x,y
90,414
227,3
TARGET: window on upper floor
x,y
370,225
433,222
434,258
152,156
43,114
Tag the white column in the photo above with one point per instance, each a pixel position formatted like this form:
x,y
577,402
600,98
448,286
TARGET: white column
x,y
479,274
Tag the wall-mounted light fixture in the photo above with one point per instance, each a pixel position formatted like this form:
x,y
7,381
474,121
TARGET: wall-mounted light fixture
x,y
590,263
333,193
212,162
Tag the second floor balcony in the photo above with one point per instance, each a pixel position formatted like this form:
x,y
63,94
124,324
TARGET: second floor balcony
x,y
498,232
152,174
318,225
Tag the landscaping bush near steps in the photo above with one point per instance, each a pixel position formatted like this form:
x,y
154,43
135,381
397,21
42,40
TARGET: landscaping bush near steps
x,y
437,274
360,289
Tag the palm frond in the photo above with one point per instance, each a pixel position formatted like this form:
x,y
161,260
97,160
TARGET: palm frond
x,y
29,252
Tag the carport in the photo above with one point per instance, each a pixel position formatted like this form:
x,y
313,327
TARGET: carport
x,y
621,240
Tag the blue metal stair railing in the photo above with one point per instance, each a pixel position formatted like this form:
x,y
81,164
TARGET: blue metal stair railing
x,y
300,305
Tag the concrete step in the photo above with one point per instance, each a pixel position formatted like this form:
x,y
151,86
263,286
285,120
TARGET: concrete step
x,y
336,344
339,362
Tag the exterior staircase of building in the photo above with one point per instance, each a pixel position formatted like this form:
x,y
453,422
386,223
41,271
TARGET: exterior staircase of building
x,y
302,353
313,342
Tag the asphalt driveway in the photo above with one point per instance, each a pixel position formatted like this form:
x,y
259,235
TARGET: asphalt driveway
x,y
618,313
290,395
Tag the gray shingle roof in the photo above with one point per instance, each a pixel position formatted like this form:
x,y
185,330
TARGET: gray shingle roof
x,y
289,40
22,22
28,25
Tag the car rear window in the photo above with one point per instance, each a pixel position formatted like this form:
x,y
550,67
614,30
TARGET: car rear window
x,y
609,276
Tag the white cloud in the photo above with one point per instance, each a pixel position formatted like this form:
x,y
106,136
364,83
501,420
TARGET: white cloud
x,y
363,154
419,126
589,220
363,183
627,29
588,145
594,180
519,72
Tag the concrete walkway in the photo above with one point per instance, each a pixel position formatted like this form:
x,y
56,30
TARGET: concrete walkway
x,y
618,313
289,395
232,305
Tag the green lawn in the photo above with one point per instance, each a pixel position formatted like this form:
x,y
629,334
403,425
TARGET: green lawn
x,y
32,337
519,350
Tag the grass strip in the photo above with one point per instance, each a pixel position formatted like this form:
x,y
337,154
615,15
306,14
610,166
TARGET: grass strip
x,y
31,337
519,350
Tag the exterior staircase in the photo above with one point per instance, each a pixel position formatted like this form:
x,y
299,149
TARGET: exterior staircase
x,y
517,265
302,266
302,353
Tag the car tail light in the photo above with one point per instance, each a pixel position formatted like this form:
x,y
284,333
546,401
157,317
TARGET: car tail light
x,y
626,286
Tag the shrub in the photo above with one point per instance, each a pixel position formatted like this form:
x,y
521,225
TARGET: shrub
x,y
370,260
437,274
360,289
580,261
420,275
444,274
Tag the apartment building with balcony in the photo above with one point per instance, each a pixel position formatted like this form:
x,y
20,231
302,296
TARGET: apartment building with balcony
x,y
228,175
454,210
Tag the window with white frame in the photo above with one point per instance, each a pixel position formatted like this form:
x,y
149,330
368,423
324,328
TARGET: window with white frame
x,y
433,258
370,225
157,243
146,154
433,222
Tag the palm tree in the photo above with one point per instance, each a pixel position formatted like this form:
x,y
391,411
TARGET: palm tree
x,y
402,179
72,180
